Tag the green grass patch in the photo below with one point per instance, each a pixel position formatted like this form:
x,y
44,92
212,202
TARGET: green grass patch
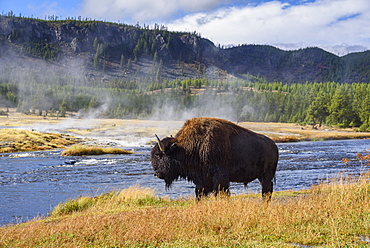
x,y
130,198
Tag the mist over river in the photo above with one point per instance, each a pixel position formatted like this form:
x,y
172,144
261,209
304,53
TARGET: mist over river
x,y
32,183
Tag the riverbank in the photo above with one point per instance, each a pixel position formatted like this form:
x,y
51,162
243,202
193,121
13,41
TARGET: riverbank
x,y
141,132
19,140
334,214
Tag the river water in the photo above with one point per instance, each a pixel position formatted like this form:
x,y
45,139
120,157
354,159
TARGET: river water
x,y
32,183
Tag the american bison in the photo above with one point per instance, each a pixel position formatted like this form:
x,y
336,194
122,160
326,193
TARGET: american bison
x,y
213,152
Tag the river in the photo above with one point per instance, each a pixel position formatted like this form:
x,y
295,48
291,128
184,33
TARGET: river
x,y
33,183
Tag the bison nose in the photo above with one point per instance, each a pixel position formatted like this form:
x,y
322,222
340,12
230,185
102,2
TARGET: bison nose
x,y
155,174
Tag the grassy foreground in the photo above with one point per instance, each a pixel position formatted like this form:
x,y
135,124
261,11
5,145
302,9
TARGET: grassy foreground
x,y
335,214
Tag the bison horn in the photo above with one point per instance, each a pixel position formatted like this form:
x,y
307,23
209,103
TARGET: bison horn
x,y
160,144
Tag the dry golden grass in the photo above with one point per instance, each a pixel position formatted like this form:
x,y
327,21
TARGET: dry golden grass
x,y
279,132
16,140
82,150
115,128
289,132
335,214
15,119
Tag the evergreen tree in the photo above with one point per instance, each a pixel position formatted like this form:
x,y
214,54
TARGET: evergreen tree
x,y
129,64
318,110
122,60
340,108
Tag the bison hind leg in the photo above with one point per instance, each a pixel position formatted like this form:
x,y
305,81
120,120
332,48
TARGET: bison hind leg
x,y
267,189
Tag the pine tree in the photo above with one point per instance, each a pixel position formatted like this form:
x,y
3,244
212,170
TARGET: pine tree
x,y
340,108
318,110
129,64
122,60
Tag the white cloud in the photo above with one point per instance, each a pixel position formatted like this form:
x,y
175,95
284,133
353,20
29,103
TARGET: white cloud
x,y
336,25
144,10
323,23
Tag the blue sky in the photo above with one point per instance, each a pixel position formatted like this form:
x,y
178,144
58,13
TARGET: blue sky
x,y
338,26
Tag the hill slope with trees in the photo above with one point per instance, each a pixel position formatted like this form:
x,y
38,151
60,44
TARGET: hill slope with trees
x,y
156,53
111,70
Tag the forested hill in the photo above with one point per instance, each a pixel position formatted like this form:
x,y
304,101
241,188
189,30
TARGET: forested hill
x,y
156,54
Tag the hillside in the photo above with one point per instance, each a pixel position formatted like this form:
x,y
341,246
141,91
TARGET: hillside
x,y
110,50
111,70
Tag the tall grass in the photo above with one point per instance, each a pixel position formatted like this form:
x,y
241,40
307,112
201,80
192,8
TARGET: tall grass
x,y
332,214
132,197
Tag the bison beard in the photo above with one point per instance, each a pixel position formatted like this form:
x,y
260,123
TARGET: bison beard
x,y
212,153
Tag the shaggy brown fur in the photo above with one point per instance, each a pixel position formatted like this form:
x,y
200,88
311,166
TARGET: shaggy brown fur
x,y
213,152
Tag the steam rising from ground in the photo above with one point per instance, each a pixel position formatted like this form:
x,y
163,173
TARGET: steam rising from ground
x,y
210,106
36,80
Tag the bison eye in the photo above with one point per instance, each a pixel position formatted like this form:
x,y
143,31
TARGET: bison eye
x,y
158,154
173,147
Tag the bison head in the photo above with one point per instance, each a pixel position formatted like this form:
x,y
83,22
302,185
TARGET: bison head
x,y
164,160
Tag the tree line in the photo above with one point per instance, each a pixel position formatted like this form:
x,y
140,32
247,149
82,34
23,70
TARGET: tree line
x,y
329,103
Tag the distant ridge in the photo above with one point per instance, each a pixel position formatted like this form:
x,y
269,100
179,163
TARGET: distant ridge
x,y
117,50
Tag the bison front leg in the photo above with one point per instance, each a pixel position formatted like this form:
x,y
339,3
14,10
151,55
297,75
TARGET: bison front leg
x,y
221,184
222,189
203,188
